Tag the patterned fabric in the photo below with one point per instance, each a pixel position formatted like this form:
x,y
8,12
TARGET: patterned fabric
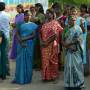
x,y
50,53
24,59
78,22
73,71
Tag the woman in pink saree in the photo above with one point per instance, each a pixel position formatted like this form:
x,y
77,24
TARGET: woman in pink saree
x,y
49,35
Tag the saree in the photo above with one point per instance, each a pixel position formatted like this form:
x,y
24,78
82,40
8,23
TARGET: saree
x,y
24,59
19,19
3,57
84,38
73,67
87,65
50,53
78,22
84,46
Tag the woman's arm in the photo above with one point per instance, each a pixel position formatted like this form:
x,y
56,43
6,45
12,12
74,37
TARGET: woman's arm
x,y
47,42
29,37
82,25
69,44
51,39
83,29
20,39
34,19
18,35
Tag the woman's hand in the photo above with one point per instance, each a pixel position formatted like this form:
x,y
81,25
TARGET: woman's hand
x,y
44,44
22,43
82,25
64,44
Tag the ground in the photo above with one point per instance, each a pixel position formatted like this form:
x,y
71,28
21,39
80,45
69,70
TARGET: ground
x,y
37,83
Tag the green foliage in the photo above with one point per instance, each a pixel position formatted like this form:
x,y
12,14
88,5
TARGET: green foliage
x,y
75,2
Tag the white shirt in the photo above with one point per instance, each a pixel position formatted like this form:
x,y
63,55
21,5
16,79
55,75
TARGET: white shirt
x,y
5,23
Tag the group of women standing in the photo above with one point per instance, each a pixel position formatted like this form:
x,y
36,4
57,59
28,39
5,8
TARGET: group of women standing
x,y
47,35
36,34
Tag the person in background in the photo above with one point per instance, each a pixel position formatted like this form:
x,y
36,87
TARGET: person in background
x,y
88,19
58,12
19,19
73,67
5,28
62,20
88,41
25,51
39,19
33,11
83,10
49,47
56,8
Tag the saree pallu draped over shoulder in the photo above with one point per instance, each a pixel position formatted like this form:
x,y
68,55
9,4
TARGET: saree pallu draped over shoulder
x,y
50,53
73,68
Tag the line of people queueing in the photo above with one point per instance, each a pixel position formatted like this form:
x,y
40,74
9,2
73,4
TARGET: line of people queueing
x,y
53,37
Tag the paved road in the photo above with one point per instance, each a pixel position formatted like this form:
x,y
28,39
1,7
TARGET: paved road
x,y
36,84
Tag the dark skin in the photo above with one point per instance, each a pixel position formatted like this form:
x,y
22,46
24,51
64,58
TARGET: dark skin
x,y
83,29
74,13
69,45
61,22
71,23
31,36
19,10
83,12
52,38
34,17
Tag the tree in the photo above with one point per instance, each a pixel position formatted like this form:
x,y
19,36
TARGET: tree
x,y
76,2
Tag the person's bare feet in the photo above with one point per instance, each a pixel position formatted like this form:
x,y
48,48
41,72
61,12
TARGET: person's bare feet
x,y
13,82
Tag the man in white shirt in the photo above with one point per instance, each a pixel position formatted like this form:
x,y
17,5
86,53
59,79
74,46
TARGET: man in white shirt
x,y
4,20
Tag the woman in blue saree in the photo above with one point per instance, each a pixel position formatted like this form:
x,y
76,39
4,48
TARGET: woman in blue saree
x,y
84,14
81,21
25,49
73,71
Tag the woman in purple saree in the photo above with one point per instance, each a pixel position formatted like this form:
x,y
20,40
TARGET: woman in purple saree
x,y
19,19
